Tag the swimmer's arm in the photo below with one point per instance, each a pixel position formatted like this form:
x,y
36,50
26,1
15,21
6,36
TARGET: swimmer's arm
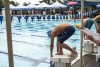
x,y
52,44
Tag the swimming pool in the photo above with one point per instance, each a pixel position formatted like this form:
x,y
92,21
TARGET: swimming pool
x,y
31,43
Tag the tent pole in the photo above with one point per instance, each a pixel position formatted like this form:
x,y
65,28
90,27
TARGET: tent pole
x,y
9,34
81,49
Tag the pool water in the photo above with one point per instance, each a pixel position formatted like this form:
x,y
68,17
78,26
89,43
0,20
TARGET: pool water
x,y
31,44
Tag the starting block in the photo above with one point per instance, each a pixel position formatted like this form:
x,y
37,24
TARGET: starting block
x,y
62,60
88,46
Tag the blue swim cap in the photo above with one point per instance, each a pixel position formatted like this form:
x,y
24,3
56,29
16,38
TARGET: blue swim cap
x,y
49,33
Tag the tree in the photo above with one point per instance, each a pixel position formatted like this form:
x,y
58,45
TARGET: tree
x,y
25,4
1,3
48,1
14,3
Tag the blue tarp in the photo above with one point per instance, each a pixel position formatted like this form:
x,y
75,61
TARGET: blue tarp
x,y
87,3
1,7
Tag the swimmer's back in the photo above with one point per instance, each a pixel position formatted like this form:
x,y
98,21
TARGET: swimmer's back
x,y
62,27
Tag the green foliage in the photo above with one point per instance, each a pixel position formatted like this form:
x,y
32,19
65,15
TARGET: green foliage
x,y
25,4
14,3
47,1
1,3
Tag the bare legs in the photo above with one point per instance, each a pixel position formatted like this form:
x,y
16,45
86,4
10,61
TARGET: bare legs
x,y
59,49
67,47
63,45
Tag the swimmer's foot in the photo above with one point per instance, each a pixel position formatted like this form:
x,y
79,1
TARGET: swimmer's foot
x,y
72,54
59,53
